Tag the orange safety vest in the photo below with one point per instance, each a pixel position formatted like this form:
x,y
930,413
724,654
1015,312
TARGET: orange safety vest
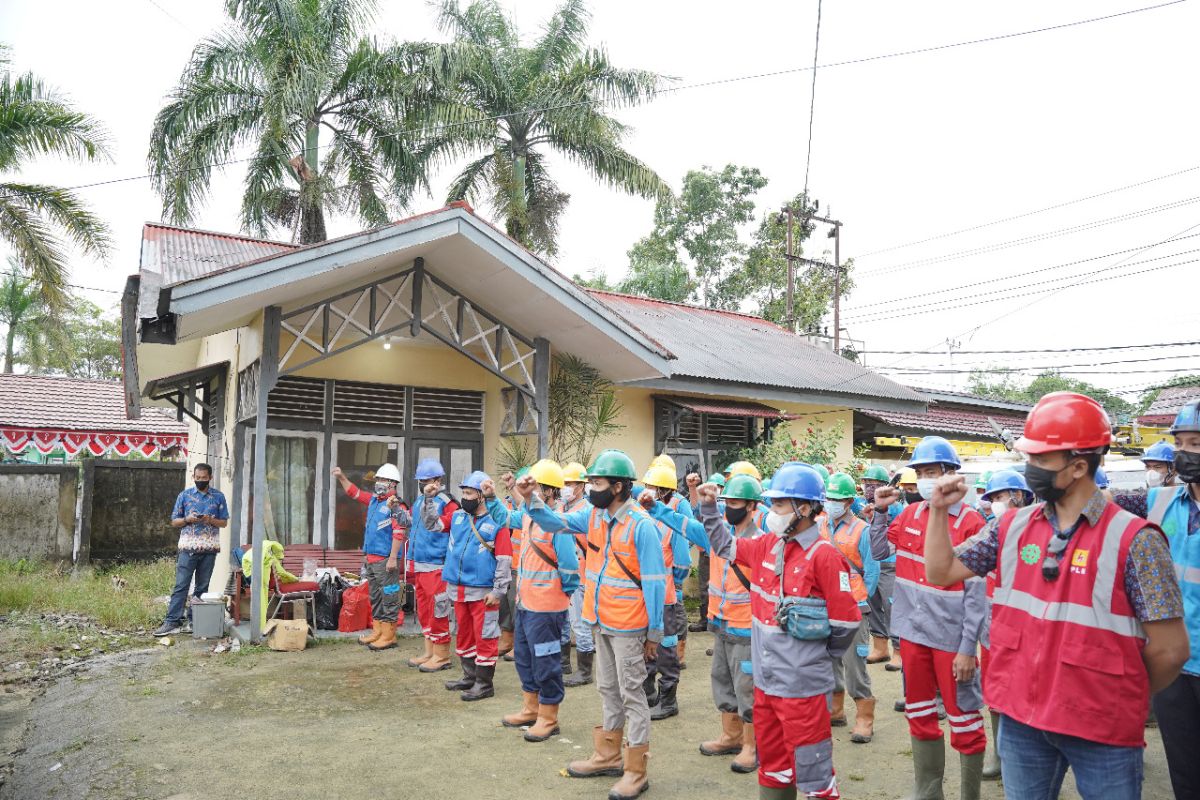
x,y
728,596
539,585
847,538
613,599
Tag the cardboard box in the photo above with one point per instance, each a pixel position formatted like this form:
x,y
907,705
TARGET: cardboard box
x,y
287,635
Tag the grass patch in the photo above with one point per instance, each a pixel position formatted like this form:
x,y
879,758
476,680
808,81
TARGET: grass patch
x,y
36,587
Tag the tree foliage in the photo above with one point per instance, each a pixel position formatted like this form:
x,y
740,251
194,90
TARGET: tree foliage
x,y
583,409
93,347
1003,384
809,443
31,329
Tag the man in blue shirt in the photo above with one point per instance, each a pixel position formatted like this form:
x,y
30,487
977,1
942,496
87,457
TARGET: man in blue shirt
x,y
200,512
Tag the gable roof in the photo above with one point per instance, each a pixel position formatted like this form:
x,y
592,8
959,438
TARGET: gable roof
x,y
946,420
1164,408
76,404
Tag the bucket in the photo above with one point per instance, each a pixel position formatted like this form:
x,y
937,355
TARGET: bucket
x,y
208,619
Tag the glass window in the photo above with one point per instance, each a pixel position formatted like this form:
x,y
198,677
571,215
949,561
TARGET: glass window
x,y
358,458
291,489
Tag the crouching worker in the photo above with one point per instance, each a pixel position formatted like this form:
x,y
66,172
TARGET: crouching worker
x,y
476,572
803,613
384,536
625,584
547,573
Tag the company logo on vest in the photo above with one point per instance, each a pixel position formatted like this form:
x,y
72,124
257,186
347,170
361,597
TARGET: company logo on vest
x,y
1030,553
1079,562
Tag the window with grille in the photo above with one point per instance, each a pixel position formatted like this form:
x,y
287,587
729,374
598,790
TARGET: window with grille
x,y
447,409
368,403
297,398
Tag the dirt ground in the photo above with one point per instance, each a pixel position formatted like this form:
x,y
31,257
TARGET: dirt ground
x,y
339,721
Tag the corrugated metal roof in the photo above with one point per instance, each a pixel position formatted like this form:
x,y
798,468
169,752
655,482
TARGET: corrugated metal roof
x,y
1164,408
946,420
76,404
724,345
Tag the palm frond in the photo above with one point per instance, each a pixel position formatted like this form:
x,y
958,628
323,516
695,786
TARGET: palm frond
x,y
563,37
35,121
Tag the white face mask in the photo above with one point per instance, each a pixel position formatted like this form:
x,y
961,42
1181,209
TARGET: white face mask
x,y
1154,478
568,494
778,523
998,508
834,508
925,487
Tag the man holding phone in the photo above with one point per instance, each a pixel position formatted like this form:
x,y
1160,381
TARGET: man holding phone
x,y
200,512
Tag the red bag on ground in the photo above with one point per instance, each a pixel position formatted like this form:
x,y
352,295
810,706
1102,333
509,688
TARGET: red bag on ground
x,y
356,609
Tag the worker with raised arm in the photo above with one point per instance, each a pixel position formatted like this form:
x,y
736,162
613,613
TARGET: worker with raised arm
x,y
939,629
427,552
625,585
574,498
1086,622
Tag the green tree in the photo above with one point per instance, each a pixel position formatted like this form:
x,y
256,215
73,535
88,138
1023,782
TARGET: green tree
x,y
39,222
94,345
31,329
595,279
513,103
1003,384
320,104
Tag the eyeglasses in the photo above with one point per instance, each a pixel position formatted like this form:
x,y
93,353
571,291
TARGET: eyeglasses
x,y
1054,550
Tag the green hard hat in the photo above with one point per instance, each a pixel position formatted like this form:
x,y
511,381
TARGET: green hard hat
x,y
613,464
840,487
717,478
742,487
824,473
876,472
521,473
728,468
982,481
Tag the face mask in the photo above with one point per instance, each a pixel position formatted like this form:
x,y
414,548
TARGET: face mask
x,y
912,498
469,506
735,515
601,499
925,487
664,495
1187,466
1154,478
202,485
568,494
1041,481
998,508
834,508
778,523
382,487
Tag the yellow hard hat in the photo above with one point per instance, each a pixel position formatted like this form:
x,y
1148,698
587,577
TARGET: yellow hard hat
x,y
745,468
547,473
574,472
662,476
663,460
908,475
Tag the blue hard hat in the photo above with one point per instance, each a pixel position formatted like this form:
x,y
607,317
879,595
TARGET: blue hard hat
x,y
1188,419
934,450
1161,451
475,480
797,482
428,468
1007,480
1101,478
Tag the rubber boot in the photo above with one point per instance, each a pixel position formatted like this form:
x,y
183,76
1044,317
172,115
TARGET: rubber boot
x,y
566,659
468,677
746,761
929,767
681,651
650,687
991,763
879,650
605,758
440,660
633,780
417,661
895,664
667,706
837,710
697,627
583,676
776,793
864,721
898,706
730,740
970,773
376,632
387,639
526,716
546,725
506,645
483,684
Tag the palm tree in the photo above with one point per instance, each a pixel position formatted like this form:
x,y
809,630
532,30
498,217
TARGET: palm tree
x,y
282,77
28,321
512,102
36,220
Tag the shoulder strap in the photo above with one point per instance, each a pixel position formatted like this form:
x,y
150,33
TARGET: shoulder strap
x,y
621,562
741,576
491,548
542,554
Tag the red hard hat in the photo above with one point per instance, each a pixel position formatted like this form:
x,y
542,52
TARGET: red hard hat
x,y
1065,421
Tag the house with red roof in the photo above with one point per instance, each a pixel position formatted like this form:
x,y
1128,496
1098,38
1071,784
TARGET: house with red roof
x,y
977,426
1161,413
436,336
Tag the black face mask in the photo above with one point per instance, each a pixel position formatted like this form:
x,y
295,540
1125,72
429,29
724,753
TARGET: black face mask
x,y
912,498
1041,481
735,516
469,506
665,496
202,485
601,498
1187,466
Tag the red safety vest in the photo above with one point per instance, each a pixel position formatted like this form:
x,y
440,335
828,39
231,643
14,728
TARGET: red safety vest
x,y
621,606
539,585
847,538
1066,655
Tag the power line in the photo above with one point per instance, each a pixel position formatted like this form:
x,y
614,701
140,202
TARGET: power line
x,y
1049,367
1021,352
1029,213
668,90
93,288
812,103
914,371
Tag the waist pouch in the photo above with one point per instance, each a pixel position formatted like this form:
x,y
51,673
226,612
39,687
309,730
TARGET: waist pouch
x,y
805,618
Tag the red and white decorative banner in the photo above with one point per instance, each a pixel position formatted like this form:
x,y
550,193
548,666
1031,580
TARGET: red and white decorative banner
x,y
18,440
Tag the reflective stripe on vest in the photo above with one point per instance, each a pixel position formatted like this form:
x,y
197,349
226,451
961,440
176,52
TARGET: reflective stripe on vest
x,y
1162,501
846,538
612,599
539,584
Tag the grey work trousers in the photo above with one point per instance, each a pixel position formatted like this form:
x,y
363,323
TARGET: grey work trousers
x,y
383,587
732,686
881,601
666,664
508,606
850,671
620,673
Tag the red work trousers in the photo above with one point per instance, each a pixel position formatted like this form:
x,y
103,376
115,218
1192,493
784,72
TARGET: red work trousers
x,y
926,671
794,743
478,635
435,621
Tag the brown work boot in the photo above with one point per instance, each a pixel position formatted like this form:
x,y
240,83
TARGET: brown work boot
x,y
633,780
606,758
746,761
681,652
387,638
837,711
864,721
505,644
417,661
730,740
896,664
376,632
440,659
546,725
526,716
879,650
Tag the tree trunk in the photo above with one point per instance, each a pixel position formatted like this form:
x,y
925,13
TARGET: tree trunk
x,y
518,223
9,345
312,215
312,224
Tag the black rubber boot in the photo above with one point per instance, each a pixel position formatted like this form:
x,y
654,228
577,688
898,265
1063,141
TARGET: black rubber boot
x,y
468,677
583,676
650,686
667,706
483,684
566,659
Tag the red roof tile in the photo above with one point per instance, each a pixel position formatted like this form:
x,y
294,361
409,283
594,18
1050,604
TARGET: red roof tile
x,y
1164,408
76,404
971,423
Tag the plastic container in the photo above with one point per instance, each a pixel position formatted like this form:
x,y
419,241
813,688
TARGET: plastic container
x,y
208,619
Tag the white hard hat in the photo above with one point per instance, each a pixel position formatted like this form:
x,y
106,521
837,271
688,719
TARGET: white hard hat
x,y
388,472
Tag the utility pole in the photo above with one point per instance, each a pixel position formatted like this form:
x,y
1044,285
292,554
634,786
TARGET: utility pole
x,y
836,266
951,346
791,269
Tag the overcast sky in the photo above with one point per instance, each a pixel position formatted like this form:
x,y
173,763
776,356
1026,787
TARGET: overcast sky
x,y
903,149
